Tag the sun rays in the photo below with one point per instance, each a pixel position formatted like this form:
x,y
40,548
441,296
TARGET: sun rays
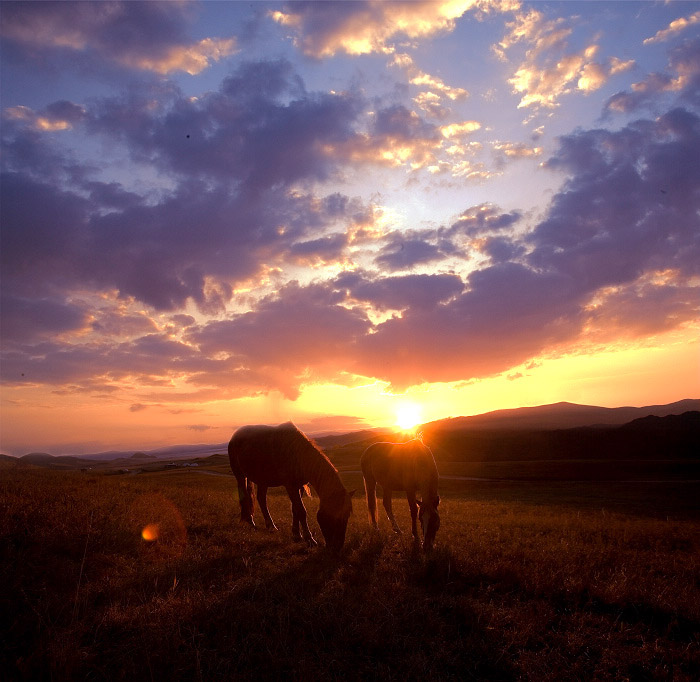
x,y
408,415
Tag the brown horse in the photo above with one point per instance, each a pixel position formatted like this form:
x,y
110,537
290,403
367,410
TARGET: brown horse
x,y
282,455
404,466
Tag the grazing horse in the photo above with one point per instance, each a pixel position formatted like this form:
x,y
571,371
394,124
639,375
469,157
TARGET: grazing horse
x,y
282,455
403,466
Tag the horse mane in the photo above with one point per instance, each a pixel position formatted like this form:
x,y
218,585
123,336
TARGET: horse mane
x,y
318,469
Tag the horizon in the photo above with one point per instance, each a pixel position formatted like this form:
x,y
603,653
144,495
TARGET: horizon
x,y
395,427
346,215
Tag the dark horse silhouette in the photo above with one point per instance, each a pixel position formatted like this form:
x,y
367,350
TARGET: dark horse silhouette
x,y
282,455
404,466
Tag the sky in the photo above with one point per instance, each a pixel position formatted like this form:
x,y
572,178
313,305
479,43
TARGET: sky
x,y
341,213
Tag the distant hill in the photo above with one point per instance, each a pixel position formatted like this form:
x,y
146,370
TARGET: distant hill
x,y
353,437
43,459
688,421
142,456
662,438
560,416
485,435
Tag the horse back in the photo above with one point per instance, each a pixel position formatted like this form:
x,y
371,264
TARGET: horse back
x,y
400,466
262,454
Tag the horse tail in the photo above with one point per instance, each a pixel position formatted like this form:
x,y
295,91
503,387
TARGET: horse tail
x,y
370,488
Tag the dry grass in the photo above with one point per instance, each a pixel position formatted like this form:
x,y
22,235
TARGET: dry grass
x,y
534,590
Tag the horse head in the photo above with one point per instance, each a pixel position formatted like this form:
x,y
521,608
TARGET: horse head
x,y
429,520
334,522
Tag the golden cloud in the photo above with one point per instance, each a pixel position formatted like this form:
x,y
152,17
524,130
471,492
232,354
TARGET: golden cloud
x,y
459,129
373,24
547,72
517,150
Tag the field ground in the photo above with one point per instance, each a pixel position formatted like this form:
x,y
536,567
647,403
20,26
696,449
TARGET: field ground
x,y
530,580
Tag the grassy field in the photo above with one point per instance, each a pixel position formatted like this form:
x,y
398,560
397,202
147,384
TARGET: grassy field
x,y
529,581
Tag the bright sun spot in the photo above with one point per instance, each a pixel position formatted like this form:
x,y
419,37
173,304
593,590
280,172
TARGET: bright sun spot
x,y
408,415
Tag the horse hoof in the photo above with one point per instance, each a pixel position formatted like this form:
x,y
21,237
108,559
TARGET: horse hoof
x,y
248,520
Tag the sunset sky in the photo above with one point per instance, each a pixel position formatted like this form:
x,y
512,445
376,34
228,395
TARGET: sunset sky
x,y
225,213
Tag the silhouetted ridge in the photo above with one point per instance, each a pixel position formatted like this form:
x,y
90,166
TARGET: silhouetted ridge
x,y
675,422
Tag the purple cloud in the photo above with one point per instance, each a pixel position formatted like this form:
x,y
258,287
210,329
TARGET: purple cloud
x,y
130,35
248,143
25,319
681,83
617,249
399,293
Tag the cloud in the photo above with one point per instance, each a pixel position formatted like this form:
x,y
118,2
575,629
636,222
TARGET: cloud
x,y
400,292
233,185
324,29
260,129
143,36
58,116
676,26
289,338
613,258
336,424
25,319
184,291
434,91
548,71
681,80
516,150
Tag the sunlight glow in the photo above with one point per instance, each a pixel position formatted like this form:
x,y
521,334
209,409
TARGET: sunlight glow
x,y
408,415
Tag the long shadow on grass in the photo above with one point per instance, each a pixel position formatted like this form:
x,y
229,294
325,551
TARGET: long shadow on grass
x,y
374,612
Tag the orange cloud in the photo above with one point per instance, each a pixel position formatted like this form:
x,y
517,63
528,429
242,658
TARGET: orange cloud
x,y
43,122
323,30
431,98
192,59
547,72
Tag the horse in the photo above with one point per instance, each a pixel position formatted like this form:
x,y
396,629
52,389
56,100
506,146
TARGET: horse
x,y
271,456
406,466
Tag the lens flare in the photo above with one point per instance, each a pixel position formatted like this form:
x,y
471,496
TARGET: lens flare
x,y
150,532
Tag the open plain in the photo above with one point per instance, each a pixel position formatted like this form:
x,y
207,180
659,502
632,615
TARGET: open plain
x,y
147,576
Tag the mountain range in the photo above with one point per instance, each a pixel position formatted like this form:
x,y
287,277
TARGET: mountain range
x,y
543,418
560,416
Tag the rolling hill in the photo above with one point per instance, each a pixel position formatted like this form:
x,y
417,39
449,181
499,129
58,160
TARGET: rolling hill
x,y
561,430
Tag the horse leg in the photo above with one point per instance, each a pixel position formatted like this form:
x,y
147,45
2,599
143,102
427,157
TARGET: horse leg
x,y
371,494
245,499
389,512
299,515
413,506
262,501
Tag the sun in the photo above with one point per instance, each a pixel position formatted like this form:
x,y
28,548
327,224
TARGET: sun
x,y
408,416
